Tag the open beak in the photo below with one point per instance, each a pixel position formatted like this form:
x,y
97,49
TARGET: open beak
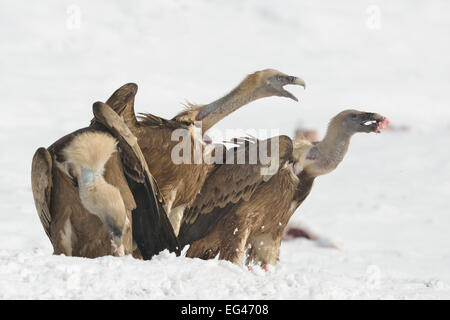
x,y
375,122
290,80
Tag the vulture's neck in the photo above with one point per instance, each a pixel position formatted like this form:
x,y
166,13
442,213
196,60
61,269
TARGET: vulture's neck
x,y
328,153
226,105
246,92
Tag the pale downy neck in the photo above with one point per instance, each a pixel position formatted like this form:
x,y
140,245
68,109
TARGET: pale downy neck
x,y
215,111
331,150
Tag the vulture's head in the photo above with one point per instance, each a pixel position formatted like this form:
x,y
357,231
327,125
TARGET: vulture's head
x,y
271,82
260,84
353,121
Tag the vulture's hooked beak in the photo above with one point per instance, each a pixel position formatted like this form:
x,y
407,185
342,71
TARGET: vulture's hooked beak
x,y
291,80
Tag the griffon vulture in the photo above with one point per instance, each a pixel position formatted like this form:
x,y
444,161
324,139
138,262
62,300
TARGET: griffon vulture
x,y
95,199
255,223
180,183
60,184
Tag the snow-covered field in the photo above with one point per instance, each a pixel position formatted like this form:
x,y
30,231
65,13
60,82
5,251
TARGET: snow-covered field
x,y
387,205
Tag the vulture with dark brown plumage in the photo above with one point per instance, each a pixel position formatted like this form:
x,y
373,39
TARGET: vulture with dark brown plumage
x,y
253,222
95,199
180,183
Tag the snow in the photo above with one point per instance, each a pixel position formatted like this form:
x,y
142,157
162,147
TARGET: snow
x,y
386,204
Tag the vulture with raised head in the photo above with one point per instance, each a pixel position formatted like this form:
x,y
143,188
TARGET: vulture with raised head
x,y
180,183
253,223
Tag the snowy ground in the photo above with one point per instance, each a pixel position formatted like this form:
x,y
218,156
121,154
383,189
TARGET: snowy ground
x,y
386,205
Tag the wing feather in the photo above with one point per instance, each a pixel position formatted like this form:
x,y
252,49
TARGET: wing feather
x,y
41,184
122,102
229,184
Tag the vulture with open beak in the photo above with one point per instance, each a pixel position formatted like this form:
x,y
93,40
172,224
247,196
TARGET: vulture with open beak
x,y
253,222
180,183
95,199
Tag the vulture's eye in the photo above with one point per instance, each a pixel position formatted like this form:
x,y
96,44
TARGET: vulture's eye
x,y
279,78
354,116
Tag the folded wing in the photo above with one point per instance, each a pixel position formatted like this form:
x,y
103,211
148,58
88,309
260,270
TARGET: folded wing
x,y
230,184
152,230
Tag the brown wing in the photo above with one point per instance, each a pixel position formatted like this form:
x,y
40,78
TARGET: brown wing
x,y
150,120
122,102
152,230
228,185
41,184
